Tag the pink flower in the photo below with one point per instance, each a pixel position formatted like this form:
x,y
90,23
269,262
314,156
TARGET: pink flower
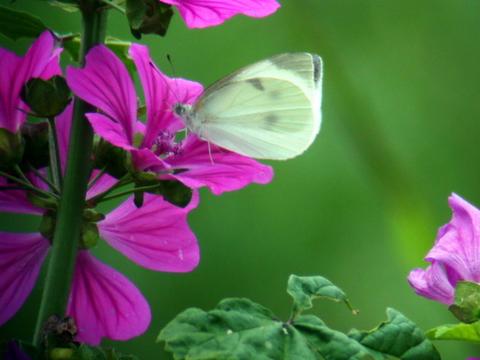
x,y
454,257
41,60
103,302
205,13
106,84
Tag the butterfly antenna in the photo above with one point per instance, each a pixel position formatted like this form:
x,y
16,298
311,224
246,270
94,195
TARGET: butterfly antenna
x,y
174,73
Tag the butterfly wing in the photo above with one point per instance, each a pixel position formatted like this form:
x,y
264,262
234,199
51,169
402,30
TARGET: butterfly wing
x,y
268,110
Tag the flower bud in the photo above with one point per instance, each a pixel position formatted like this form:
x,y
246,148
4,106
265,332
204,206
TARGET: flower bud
x,y
90,235
11,148
46,98
110,158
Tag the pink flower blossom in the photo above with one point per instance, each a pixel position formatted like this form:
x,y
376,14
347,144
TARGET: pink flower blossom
x,y
41,60
205,13
106,84
454,257
103,302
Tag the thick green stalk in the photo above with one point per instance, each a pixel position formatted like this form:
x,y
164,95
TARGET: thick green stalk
x,y
69,219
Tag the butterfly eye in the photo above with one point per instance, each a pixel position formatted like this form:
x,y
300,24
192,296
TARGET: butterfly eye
x,y
179,109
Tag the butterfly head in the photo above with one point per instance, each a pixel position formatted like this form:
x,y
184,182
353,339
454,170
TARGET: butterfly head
x,y
184,112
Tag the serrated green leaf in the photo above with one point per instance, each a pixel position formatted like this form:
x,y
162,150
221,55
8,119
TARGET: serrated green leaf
x,y
240,329
467,302
235,329
399,337
461,331
304,289
16,24
332,344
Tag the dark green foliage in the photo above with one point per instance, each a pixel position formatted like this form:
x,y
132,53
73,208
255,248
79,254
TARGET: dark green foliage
x,y
11,148
16,24
241,329
35,136
148,17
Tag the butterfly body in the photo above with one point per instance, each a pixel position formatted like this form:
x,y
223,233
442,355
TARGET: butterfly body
x,y
268,110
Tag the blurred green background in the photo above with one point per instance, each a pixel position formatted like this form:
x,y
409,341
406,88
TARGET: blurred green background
x,y
400,133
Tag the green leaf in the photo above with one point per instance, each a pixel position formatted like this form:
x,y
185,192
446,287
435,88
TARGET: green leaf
x,y
46,98
240,329
16,24
235,329
148,17
304,289
332,344
399,337
467,302
461,331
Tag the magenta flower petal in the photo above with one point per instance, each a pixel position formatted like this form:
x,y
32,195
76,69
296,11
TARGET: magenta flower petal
x,y
10,118
458,243
21,257
218,169
16,201
205,13
104,183
156,236
111,131
105,83
161,94
145,159
104,303
41,60
455,255
432,283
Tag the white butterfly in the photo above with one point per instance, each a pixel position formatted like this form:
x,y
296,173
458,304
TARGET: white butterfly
x,y
268,110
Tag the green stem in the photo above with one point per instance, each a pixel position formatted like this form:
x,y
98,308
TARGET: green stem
x,y
128,192
27,185
22,175
45,179
96,178
113,5
99,198
69,219
54,151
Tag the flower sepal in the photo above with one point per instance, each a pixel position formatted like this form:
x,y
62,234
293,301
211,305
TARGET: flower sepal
x,y
112,159
173,191
11,148
90,236
47,225
467,302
